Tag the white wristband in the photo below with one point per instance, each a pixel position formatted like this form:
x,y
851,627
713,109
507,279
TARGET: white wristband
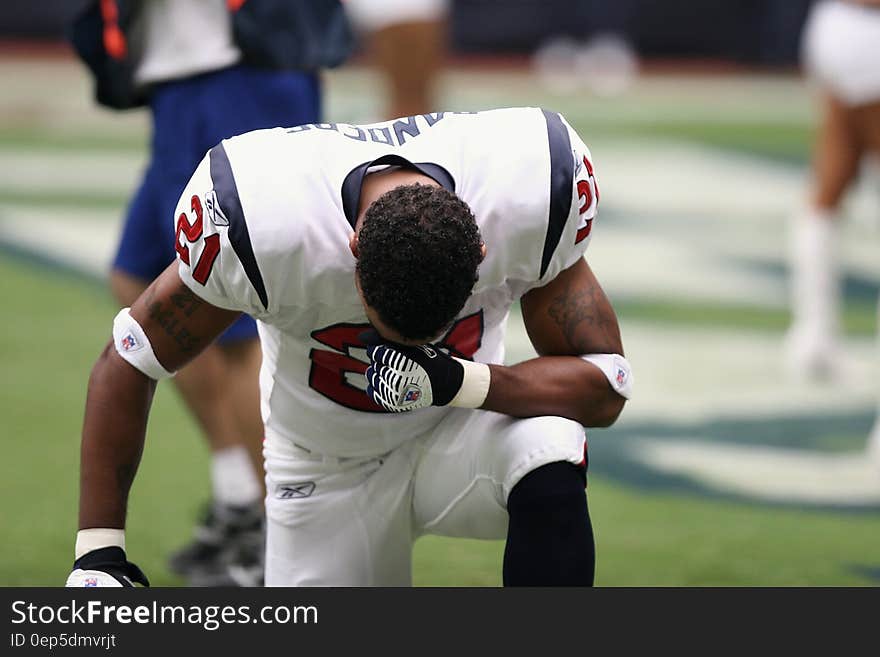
x,y
616,369
474,386
97,538
133,345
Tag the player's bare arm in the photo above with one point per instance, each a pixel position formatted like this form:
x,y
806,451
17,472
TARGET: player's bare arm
x,y
565,319
178,324
580,373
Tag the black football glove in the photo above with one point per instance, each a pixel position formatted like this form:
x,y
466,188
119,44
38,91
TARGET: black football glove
x,y
105,567
402,378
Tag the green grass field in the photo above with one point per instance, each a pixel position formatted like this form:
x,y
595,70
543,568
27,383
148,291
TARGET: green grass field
x,y
55,322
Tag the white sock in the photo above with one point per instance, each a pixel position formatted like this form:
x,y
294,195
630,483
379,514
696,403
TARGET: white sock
x,y
815,280
233,479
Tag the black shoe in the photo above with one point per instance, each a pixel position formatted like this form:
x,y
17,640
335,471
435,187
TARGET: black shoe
x,y
227,550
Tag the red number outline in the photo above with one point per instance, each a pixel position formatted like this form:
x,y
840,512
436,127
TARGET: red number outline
x,y
585,189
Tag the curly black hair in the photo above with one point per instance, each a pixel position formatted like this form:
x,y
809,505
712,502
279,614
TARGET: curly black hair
x,y
419,249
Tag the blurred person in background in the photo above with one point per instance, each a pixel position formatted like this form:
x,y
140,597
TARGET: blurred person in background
x,y
406,41
841,48
208,70
593,50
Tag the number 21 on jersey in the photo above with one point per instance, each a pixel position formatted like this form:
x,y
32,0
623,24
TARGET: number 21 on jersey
x,y
190,233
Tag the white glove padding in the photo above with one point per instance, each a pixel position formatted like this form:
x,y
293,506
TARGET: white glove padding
x,y
402,378
398,382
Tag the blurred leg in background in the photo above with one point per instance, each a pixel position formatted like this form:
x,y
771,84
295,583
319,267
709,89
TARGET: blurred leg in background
x,y
849,78
867,118
813,340
188,83
406,41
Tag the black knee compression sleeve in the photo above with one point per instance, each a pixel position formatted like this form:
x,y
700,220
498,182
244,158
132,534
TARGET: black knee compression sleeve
x,y
549,536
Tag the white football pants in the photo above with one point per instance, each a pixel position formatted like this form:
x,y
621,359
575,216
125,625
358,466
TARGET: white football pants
x,y
353,522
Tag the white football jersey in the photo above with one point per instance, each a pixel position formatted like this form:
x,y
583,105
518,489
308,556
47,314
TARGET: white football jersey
x,y
264,225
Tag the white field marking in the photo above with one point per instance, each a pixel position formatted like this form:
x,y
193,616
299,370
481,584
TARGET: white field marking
x,y
685,374
657,264
97,172
687,221
688,376
686,180
82,239
768,473
711,262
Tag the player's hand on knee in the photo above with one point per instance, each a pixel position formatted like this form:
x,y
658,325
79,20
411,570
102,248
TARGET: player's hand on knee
x,y
103,567
402,378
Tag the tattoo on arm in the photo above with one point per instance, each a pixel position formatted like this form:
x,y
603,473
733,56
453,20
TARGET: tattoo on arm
x,y
168,316
187,301
583,319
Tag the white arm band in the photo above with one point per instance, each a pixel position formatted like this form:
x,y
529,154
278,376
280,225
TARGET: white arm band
x,y
133,345
97,538
474,386
616,369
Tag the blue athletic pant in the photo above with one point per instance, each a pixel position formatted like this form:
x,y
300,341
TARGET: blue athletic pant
x,y
190,116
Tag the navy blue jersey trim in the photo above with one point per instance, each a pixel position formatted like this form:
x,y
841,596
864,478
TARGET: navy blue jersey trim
x,y
230,204
561,176
351,186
